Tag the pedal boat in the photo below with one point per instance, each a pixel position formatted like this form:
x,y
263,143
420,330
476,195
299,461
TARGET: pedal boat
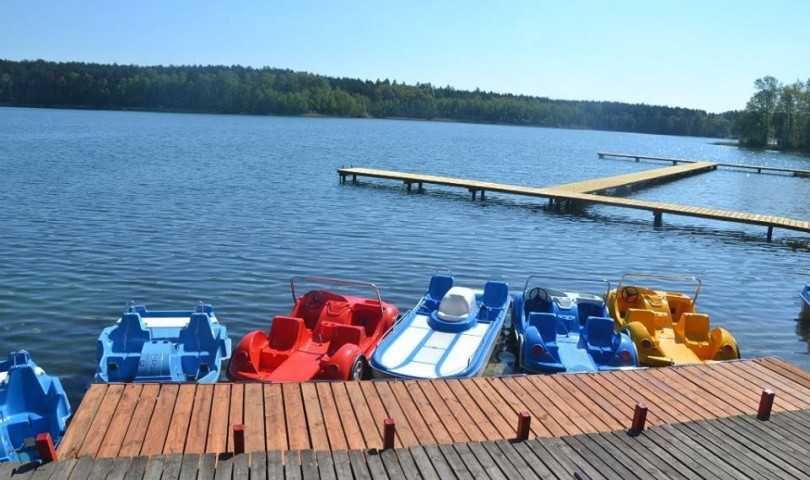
x,y
327,336
31,402
805,314
665,326
559,331
450,333
163,346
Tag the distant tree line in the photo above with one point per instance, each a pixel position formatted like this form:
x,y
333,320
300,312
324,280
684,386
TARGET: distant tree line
x,y
777,115
235,89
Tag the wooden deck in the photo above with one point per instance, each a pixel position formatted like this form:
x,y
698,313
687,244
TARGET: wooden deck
x,y
739,447
574,193
636,179
737,166
149,419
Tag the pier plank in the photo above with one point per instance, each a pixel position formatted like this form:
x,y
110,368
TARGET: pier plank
x,y
217,441
254,418
82,421
159,422
178,427
102,419
136,431
275,423
122,417
200,415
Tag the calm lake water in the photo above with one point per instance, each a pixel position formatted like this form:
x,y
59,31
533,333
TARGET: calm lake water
x,y
100,208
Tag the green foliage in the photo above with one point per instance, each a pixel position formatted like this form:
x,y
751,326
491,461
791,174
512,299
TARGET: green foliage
x,y
777,115
221,89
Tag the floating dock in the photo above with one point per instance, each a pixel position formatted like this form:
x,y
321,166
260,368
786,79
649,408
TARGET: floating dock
x,y
578,193
737,166
740,447
148,419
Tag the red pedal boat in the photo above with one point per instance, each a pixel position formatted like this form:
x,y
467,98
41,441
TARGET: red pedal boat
x,y
326,337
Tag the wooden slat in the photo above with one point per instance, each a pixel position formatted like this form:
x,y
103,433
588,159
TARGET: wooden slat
x,y
236,411
200,415
331,417
275,423
346,413
254,418
119,425
81,422
101,421
297,430
134,438
161,419
315,424
217,441
176,436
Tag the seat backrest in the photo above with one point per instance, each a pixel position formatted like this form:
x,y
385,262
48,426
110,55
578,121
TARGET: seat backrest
x,y
695,327
198,336
439,285
589,308
495,294
645,317
129,335
367,317
599,331
343,334
284,332
546,324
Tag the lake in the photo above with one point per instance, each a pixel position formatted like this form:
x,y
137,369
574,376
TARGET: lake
x,y
101,208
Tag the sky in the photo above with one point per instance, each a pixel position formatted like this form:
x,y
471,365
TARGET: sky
x,y
698,54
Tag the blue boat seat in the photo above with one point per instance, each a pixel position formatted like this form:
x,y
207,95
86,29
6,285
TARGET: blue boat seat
x,y
199,345
127,339
439,285
600,337
589,308
546,324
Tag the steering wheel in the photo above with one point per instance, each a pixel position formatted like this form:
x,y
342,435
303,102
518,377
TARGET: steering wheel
x,y
630,294
314,300
536,297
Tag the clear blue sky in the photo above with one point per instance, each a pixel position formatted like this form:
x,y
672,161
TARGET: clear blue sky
x,y
703,54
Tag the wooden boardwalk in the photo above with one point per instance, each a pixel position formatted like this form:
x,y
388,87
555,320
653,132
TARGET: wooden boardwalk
x,y
636,179
575,193
149,419
737,166
738,447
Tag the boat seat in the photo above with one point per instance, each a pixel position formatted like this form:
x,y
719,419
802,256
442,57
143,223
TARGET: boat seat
x,y
199,345
495,296
367,317
695,328
546,324
589,308
439,285
284,332
343,334
645,317
599,336
129,336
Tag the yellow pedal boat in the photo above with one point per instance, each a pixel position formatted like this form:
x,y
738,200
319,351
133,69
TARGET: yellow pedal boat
x,y
664,325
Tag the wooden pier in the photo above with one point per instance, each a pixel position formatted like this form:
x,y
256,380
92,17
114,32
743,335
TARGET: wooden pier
x,y
737,166
141,420
578,193
739,447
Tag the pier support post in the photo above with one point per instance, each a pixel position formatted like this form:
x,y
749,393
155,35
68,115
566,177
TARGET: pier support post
x,y
765,404
342,178
770,233
639,419
45,447
238,439
389,429
473,192
523,426
421,189
354,179
658,218
408,184
483,195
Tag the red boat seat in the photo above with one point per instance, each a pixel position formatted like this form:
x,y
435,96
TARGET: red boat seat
x,y
367,317
284,332
343,334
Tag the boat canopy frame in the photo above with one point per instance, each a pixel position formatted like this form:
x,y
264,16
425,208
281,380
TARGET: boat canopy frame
x,y
566,279
336,281
698,284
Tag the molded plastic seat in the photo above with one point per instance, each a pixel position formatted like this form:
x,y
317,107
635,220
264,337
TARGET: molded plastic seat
x,y
284,332
695,328
343,334
599,335
546,324
495,294
199,344
129,335
645,317
439,285
589,308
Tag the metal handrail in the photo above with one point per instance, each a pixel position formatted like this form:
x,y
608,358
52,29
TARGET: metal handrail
x,y
336,281
667,278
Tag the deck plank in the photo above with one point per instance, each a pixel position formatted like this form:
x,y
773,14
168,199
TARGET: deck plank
x,y
297,430
315,423
160,420
254,418
178,427
82,421
236,411
275,423
101,421
217,440
136,432
200,416
114,437
347,416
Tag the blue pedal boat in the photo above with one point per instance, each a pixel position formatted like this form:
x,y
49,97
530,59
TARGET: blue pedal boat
x,y
450,333
557,331
805,315
163,346
31,402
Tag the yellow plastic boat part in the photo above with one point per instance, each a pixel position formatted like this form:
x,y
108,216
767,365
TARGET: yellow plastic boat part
x,y
665,326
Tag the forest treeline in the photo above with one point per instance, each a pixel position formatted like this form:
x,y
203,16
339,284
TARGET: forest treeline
x,y
235,89
777,115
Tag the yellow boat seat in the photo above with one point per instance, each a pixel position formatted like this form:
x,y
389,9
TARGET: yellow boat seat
x,y
644,317
695,330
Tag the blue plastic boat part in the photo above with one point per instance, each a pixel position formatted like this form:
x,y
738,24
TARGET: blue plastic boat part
x,y
558,331
805,315
163,346
450,333
31,402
